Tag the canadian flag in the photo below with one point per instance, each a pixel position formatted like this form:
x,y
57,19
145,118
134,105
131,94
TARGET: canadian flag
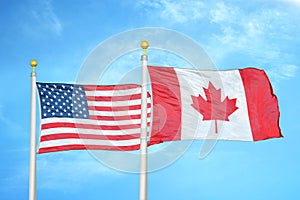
x,y
224,105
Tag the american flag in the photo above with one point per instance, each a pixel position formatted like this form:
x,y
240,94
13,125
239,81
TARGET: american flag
x,y
78,117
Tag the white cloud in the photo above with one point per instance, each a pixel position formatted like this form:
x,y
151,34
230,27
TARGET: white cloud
x,y
44,18
174,11
260,34
289,71
223,13
295,2
238,34
281,72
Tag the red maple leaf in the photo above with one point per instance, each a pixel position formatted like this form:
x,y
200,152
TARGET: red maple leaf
x,y
213,108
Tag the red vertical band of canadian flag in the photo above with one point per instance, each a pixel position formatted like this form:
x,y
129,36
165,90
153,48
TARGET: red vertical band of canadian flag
x,y
262,104
225,105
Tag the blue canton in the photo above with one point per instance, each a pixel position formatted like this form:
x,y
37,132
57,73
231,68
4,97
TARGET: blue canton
x,y
62,100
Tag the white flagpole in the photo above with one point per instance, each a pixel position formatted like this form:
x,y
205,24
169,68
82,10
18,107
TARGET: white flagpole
x,y
143,143
32,164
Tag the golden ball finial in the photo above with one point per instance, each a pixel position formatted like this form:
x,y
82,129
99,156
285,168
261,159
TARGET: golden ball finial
x,y
144,45
33,63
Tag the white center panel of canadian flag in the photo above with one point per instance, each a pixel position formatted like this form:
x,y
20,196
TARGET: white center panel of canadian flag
x,y
230,85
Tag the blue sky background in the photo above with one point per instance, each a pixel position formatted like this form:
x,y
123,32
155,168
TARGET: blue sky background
x,y
235,34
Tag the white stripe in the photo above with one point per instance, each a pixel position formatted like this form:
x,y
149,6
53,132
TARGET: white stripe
x,y
89,121
61,142
117,103
113,92
117,113
51,131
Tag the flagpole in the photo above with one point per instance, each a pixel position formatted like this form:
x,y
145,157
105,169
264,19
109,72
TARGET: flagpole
x,y
32,164
143,137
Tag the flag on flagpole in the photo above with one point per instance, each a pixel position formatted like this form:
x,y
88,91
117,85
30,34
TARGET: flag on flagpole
x,y
224,105
77,117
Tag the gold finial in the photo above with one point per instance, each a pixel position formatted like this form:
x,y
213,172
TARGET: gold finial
x,y
33,64
144,45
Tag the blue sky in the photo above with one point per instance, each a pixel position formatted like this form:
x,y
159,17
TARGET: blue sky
x,y
235,34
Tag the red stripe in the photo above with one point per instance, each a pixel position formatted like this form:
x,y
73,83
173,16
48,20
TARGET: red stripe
x,y
110,87
115,98
87,147
89,126
88,136
166,97
117,108
117,118
262,104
